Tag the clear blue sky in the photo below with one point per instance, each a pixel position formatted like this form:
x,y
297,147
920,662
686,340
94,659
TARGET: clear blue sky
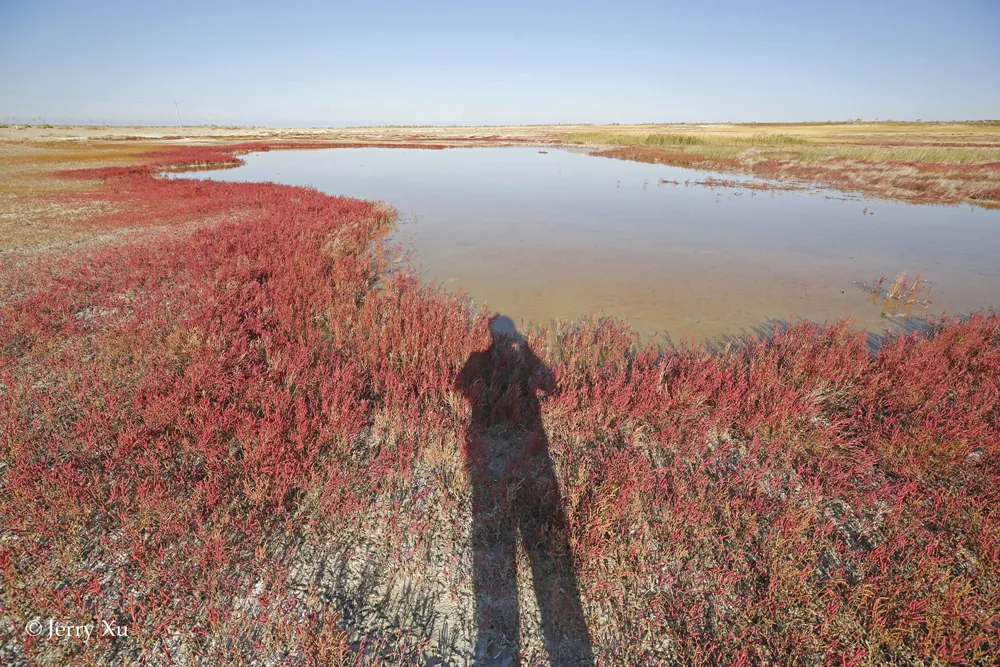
x,y
328,63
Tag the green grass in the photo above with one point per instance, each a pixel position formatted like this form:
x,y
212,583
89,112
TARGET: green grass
x,y
763,139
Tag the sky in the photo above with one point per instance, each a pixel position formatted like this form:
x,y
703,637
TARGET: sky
x,y
471,63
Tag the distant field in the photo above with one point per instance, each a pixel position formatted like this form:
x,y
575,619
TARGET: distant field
x,y
943,163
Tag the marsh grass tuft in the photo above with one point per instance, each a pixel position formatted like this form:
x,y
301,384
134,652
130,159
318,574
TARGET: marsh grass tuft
x,y
901,291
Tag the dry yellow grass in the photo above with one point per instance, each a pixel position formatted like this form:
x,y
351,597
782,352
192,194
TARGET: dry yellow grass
x,y
33,211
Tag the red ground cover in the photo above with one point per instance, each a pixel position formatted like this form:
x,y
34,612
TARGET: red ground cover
x,y
174,413
917,182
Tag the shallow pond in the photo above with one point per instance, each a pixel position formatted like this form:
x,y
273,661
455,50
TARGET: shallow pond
x,y
545,234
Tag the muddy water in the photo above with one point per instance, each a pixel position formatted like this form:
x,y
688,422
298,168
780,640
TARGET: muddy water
x,y
556,235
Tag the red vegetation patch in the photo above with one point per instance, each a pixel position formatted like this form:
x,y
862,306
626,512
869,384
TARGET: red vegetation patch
x,y
222,156
974,168
175,418
294,145
490,139
923,144
933,183
989,195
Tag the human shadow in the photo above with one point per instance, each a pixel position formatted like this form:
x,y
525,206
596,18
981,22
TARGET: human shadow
x,y
515,493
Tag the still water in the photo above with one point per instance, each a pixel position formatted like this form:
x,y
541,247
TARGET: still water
x,y
559,234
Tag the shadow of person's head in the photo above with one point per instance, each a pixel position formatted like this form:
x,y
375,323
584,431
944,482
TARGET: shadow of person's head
x,y
503,328
507,343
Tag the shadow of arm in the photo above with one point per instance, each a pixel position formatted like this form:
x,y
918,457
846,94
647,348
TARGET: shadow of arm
x,y
541,375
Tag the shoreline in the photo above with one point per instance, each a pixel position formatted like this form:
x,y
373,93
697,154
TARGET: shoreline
x,y
925,163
